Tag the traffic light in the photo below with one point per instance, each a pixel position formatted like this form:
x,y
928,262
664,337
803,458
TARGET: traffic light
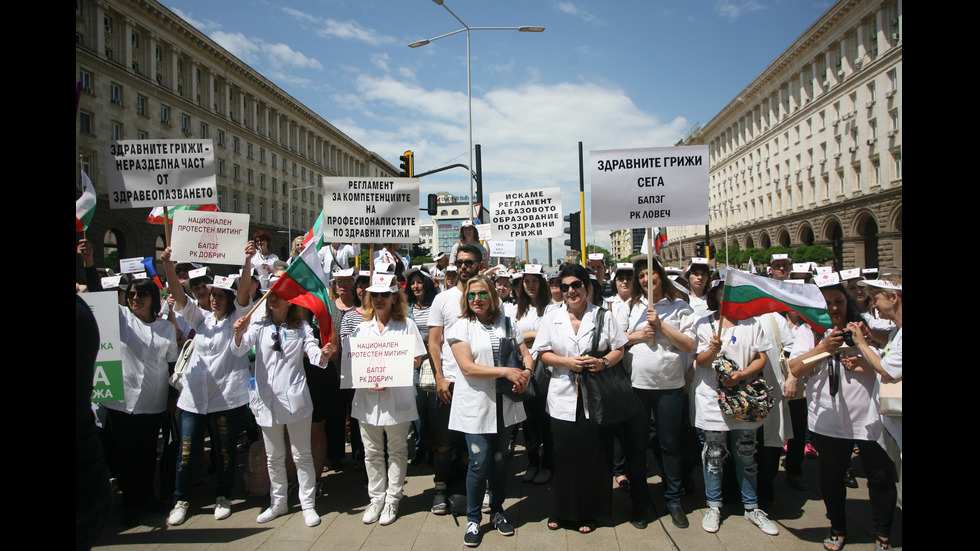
x,y
574,230
408,164
433,204
699,249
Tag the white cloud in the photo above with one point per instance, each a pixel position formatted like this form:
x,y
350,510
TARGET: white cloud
x,y
266,56
353,31
203,26
380,61
301,16
733,9
572,9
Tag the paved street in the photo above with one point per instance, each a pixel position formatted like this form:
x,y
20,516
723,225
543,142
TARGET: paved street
x,y
799,515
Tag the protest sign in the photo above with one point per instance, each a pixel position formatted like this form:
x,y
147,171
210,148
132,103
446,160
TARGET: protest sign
x,y
380,361
506,249
526,214
644,188
156,173
371,210
217,237
482,231
107,384
131,265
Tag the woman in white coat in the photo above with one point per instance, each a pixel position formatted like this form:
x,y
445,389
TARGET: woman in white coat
x,y
280,398
485,417
386,411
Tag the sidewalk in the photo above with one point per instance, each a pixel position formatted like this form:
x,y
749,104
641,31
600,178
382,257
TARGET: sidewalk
x,y
798,514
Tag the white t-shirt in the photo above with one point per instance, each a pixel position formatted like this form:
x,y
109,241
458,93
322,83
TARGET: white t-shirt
x,y
445,312
661,366
393,405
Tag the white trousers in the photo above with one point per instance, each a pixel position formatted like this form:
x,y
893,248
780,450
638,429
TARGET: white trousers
x,y
275,449
386,484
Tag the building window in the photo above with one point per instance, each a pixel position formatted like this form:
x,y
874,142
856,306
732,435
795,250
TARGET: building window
x,y
165,115
873,128
158,53
262,155
897,165
141,135
85,122
234,144
857,177
294,168
221,199
248,151
221,138
221,167
893,80
893,115
273,160
85,78
261,210
107,24
840,181
261,181
872,94
204,131
135,39
116,133
248,205
141,105
272,210
876,168
234,202
185,124
275,186
180,65
115,94
236,173
248,176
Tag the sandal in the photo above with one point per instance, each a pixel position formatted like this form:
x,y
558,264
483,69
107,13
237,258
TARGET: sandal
x,y
835,542
882,544
587,528
554,524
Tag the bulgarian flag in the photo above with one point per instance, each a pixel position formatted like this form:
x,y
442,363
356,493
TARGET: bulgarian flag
x,y
748,295
85,205
659,238
156,215
302,284
315,234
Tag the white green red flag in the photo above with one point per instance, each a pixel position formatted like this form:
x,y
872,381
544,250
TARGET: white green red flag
x,y
302,284
156,215
315,234
85,205
747,296
659,238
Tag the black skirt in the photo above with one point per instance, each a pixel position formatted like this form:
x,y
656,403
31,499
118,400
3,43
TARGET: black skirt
x,y
582,479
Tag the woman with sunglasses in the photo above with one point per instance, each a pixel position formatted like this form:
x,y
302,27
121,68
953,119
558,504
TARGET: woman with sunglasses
x,y
580,485
215,385
385,414
280,398
485,417
264,259
843,412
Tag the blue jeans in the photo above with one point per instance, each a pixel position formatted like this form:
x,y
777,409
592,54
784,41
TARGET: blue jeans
x,y
667,407
192,427
716,447
488,460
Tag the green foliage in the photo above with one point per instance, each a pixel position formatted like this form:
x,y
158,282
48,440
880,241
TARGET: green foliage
x,y
813,253
419,250
593,249
417,260
760,257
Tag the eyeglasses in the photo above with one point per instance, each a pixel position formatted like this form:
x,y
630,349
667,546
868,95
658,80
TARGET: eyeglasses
x,y
573,285
261,241
468,263
381,295
482,295
142,293
275,342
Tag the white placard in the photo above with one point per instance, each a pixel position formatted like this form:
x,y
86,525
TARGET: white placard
x,y
107,381
380,361
506,249
482,231
210,237
526,214
646,188
156,173
131,265
371,210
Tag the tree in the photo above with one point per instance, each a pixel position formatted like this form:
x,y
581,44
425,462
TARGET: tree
x,y
592,249
418,250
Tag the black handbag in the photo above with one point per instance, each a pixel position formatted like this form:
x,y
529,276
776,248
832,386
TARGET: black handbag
x,y
608,394
510,356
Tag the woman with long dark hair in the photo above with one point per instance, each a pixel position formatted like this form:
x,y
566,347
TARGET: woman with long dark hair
x,y
842,414
419,293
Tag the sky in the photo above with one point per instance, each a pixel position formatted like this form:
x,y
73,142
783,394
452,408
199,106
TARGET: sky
x,y
612,74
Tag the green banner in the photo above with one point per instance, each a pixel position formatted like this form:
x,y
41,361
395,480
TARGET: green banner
x,y
107,386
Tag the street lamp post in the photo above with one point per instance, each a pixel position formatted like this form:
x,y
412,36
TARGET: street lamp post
x,y
726,211
469,87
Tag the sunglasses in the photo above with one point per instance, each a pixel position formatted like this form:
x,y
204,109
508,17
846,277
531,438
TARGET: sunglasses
x,y
482,295
573,285
468,263
275,342
381,295
141,294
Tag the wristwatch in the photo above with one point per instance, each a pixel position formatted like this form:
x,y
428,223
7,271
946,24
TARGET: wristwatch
x,y
605,362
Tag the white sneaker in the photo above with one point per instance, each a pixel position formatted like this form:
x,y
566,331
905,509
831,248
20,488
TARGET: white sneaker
x,y
179,514
222,508
712,520
373,512
310,517
270,514
388,514
530,473
759,518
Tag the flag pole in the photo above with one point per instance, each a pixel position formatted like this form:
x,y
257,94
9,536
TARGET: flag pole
x,y
166,225
653,341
